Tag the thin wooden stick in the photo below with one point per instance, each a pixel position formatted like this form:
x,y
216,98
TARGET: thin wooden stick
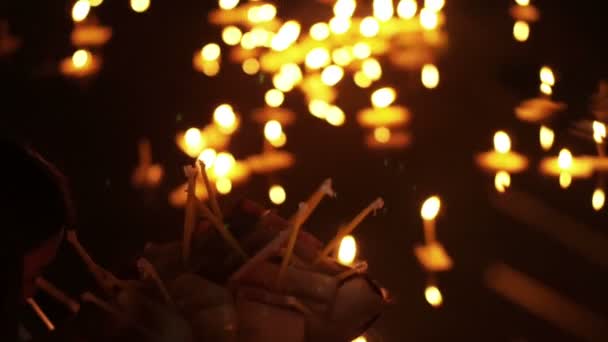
x,y
43,317
226,234
314,200
190,211
149,270
57,294
358,268
293,236
348,229
211,191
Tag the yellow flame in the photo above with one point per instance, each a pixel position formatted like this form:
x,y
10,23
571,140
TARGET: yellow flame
x,y
228,4
273,130
598,199
280,141
80,58
547,76
502,142
599,132
339,25
383,9
433,296
547,136
565,179
361,80
140,6
319,31
362,50
211,68
383,97
369,27
406,9
347,252
564,159
225,118
335,116
80,10
211,52
523,2
231,35
342,56
546,89
428,19
360,339
372,69
317,58
277,194
262,13
382,135
194,140
332,74
430,208
251,66
318,108
521,31
287,35
274,98
208,157
283,82
434,5
223,185
345,8
502,181
430,76
292,72
223,164
95,3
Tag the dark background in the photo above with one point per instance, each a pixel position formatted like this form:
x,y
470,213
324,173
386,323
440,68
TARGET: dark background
x,y
148,88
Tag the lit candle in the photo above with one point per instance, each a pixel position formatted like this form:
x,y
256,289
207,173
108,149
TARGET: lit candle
x,y
391,116
433,296
538,109
502,158
431,254
385,138
347,252
566,167
599,135
430,209
546,137
90,35
598,199
82,64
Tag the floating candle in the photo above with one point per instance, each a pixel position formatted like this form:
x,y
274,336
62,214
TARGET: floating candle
x,y
82,64
567,167
599,135
392,116
384,138
431,255
347,252
433,296
90,35
502,158
538,109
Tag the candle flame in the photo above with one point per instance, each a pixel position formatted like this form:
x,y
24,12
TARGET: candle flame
x,y
194,140
369,27
332,74
262,13
317,58
251,66
287,35
406,9
228,4
273,130
318,108
430,208
223,185
339,25
277,194
335,116
502,181
382,135
225,118
433,296
546,89
383,9
342,56
547,76
95,3
430,76
80,10
211,52
208,157
565,179
319,31
428,19
231,35
224,162
362,50
80,58
521,31
274,97
502,142
599,132
360,339
372,69
564,159
523,2
361,79
140,6
434,5
345,8
280,141
547,136
383,97
347,252
598,199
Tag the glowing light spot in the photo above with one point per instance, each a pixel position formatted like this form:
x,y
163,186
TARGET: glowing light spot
x,y
292,72
546,89
251,66
224,162
140,6
502,142
362,50
225,118
223,185
208,157
434,5
547,76
521,31
274,97
565,180
383,9
339,25
361,80
273,130
372,69
95,3
231,35
280,141
345,8
360,339
383,97
319,31
277,194
228,4
332,74
347,252
80,10
262,13
430,208
502,181
318,108
342,56
428,19
211,52
194,139
430,76
283,82
80,58
599,132
564,159
523,2
317,58
406,9
335,116
547,137
382,135
433,296
598,199
287,35
211,68
369,27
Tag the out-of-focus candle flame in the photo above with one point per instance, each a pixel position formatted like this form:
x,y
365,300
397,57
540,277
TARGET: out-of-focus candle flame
x,y
80,10
383,9
599,132
228,4
502,181
223,185
521,31
372,69
95,3
429,19
382,134
274,98
369,27
345,8
225,118
332,74
211,52
283,82
523,2
277,194
598,199
342,56
335,116
211,68
564,159
319,31
430,208
292,72
362,80
406,9
383,97
80,58
433,296
194,140
339,25
360,339
280,141
434,5
502,142
318,108
565,179
287,35
273,130
224,162
208,157
317,58
140,6
347,252
547,137
231,35
547,76
430,76
362,50
262,13
251,66
546,89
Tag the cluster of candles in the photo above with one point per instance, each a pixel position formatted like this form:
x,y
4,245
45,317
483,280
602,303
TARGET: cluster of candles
x,y
524,14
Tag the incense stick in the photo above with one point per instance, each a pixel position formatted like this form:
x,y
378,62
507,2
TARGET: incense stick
x,y
57,294
190,212
293,236
43,317
211,191
314,200
148,269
